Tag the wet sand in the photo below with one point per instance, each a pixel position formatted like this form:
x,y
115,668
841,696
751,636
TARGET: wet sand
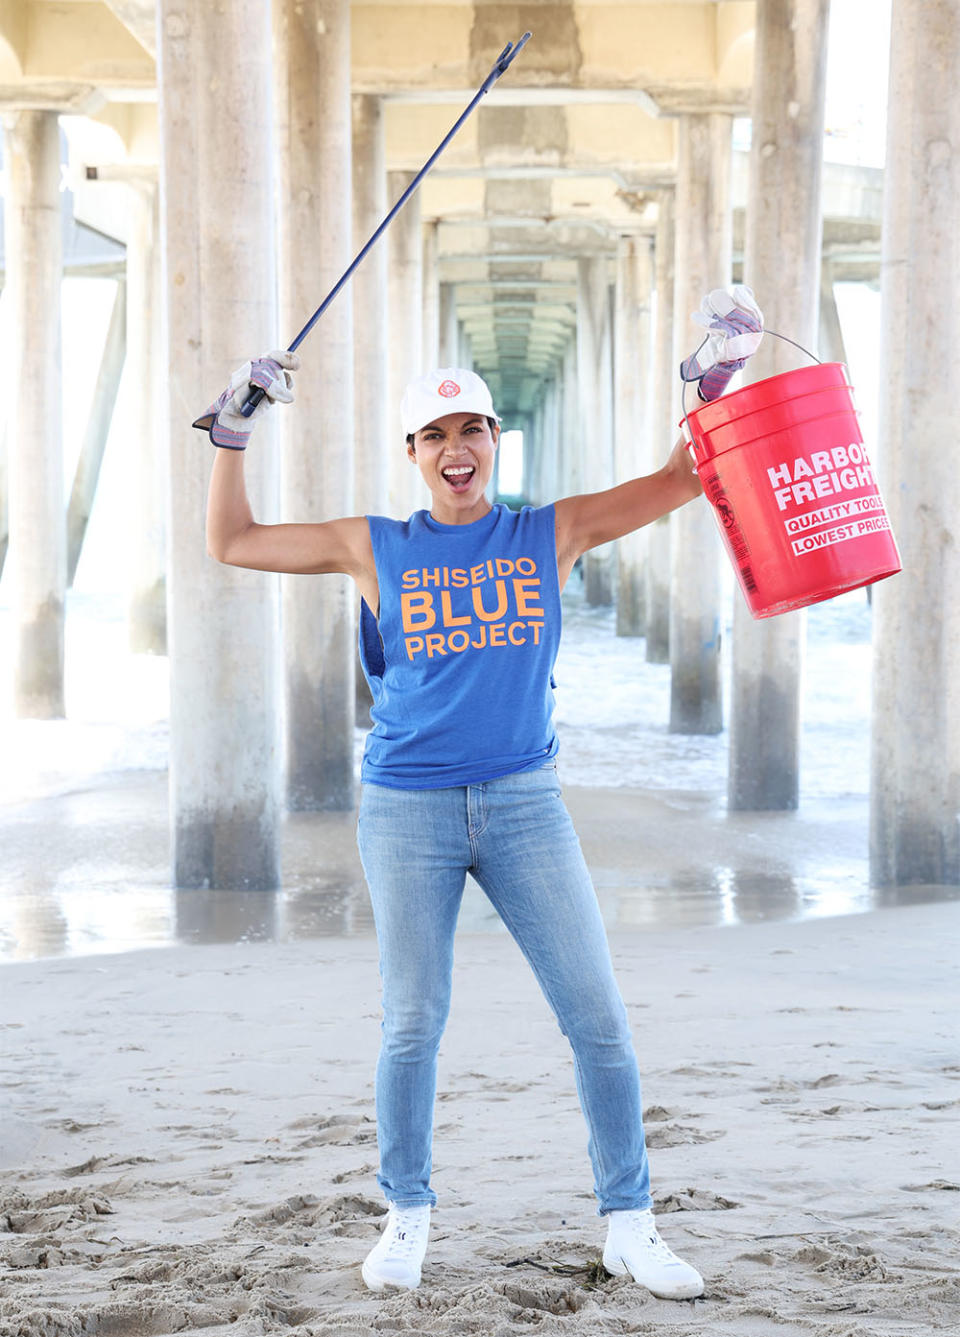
x,y
88,870
190,1140
84,861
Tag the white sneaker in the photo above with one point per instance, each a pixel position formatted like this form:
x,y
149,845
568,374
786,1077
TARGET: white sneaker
x,y
633,1245
397,1258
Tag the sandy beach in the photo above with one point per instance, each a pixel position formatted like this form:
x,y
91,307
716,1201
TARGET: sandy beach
x,y
189,1138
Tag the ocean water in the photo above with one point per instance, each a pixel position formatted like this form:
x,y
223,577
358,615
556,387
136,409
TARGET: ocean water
x,y
613,708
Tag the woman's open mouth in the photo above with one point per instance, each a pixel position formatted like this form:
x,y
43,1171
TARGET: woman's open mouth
x,y
458,476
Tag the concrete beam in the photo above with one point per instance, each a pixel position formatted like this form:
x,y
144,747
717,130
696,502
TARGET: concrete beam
x,y
630,49
581,53
82,42
674,100
519,302
569,227
61,95
518,96
139,17
507,257
517,285
638,180
557,135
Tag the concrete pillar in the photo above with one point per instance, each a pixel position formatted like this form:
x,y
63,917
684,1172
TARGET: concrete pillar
x,y
34,267
572,475
663,431
532,445
492,490
149,485
405,304
782,264
372,420
594,360
567,425
221,287
449,333
543,450
87,475
539,463
550,483
4,498
431,296
542,460
704,239
633,453
554,481
465,350
558,486
915,793
314,114
4,441
831,343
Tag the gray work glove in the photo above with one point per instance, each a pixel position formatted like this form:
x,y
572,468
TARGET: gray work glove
x,y
734,325
224,421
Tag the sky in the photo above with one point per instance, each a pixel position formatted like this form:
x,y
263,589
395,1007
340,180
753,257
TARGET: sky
x,y
857,67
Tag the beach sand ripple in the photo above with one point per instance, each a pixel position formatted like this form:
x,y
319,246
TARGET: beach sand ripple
x,y
188,1148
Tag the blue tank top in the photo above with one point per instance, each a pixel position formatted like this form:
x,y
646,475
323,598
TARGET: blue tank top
x,y
460,661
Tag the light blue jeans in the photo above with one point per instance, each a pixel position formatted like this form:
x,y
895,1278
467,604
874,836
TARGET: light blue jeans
x,y
516,838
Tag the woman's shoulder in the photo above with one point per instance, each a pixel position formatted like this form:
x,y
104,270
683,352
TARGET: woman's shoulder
x,y
389,525
533,519
527,513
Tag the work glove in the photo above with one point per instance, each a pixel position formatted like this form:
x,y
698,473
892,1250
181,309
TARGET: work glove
x,y
224,421
734,325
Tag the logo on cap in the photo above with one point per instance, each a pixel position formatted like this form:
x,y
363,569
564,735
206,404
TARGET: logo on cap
x,y
449,389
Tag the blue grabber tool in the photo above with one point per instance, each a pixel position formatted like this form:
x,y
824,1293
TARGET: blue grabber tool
x,y
501,64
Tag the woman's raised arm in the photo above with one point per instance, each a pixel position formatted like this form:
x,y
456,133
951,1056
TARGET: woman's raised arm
x,y
233,535
586,521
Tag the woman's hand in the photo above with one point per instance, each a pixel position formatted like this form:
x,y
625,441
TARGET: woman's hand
x,y
224,420
680,465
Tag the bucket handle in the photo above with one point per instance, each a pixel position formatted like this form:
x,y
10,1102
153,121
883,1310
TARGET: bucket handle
x,y
683,393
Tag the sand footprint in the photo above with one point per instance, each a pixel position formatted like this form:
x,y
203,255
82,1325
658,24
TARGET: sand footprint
x,y
680,1135
337,1130
308,1211
96,1163
693,1200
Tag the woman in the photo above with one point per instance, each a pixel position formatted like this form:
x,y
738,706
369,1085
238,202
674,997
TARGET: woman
x,y
460,623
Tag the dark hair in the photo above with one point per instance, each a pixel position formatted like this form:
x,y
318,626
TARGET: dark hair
x,y
491,423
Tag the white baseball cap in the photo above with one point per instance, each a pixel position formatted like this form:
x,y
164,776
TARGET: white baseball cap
x,y
446,390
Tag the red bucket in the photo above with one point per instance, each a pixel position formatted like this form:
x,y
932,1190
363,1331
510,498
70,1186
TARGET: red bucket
x,y
784,466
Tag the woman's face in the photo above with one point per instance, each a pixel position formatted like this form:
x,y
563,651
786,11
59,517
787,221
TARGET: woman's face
x,y
455,456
